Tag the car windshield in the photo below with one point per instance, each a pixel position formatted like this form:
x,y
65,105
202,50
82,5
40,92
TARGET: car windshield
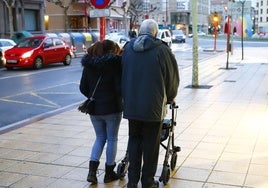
x,y
5,43
31,42
177,32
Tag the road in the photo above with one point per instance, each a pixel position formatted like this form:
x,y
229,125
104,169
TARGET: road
x,y
29,95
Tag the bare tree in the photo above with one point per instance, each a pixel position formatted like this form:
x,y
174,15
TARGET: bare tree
x,y
65,4
135,10
10,4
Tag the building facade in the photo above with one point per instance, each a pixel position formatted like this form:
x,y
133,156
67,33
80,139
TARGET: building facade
x,y
81,16
262,16
176,14
27,15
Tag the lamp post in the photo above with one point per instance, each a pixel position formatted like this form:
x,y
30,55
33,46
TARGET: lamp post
x,y
242,27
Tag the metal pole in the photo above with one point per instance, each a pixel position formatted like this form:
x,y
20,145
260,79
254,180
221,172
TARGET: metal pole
x,y
231,29
215,36
242,28
228,41
102,28
85,9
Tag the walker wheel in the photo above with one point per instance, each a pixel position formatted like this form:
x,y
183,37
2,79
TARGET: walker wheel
x,y
121,170
165,175
173,161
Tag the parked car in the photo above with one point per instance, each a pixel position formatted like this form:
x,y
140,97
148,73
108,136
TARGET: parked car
x,y
5,44
119,38
165,35
178,36
201,33
37,51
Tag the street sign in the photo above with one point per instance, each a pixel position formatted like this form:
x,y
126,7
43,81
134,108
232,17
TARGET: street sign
x,y
101,4
98,13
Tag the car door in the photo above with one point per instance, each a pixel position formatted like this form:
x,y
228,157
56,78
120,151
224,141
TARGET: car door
x,y
168,37
59,49
49,51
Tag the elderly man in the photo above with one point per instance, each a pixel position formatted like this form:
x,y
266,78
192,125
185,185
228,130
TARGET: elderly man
x,y
150,79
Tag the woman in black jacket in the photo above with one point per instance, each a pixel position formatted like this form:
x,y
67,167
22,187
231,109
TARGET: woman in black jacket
x,y
103,63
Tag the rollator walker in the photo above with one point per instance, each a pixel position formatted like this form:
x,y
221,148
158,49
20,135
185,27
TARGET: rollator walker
x,y
167,142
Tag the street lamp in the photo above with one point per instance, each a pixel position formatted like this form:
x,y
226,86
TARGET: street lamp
x,y
242,28
46,17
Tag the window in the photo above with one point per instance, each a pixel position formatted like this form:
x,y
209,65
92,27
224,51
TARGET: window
x,y
30,20
167,34
58,42
48,43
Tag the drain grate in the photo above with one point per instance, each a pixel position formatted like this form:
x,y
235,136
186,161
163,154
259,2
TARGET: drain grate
x,y
199,87
229,68
229,81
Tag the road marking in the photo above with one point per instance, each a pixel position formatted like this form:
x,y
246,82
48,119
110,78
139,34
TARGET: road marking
x,y
37,94
29,103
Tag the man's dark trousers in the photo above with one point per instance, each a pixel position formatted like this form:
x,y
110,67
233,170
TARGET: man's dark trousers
x,y
144,141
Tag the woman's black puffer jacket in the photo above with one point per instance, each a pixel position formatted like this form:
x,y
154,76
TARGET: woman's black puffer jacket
x,y
108,99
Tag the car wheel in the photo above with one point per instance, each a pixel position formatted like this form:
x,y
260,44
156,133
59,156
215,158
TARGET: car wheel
x,y
9,68
38,63
67,60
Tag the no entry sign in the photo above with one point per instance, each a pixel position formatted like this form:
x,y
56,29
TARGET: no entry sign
x,y
100,4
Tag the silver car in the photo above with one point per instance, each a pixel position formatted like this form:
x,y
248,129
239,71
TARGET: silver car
x,y
178,36
5,44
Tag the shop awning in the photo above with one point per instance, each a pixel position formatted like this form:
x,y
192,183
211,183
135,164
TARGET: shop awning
x,y
116,14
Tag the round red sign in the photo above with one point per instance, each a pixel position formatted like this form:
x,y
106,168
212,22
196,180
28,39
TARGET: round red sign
x,y
100,4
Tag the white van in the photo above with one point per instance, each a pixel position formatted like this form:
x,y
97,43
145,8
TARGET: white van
x,y
165,35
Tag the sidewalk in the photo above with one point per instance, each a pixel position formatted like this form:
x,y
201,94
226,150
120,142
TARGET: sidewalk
x,y
222,131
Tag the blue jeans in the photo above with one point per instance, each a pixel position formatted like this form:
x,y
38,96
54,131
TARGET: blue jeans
x,y
106,129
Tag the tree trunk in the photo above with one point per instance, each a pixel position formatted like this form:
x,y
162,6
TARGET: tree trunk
x,y
66,19
195,46
10,15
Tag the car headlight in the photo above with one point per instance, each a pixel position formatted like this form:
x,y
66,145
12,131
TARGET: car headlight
x,y
27,54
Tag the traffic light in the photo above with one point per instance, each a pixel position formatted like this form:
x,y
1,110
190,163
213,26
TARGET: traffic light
x,y
216,19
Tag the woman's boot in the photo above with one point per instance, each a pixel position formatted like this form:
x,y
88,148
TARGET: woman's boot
x,y
92,174
110,175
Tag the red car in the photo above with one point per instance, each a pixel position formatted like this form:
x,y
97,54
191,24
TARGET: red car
x,y
37,51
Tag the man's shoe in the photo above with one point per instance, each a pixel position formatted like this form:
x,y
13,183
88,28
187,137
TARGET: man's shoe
x,y
131,185
155,184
